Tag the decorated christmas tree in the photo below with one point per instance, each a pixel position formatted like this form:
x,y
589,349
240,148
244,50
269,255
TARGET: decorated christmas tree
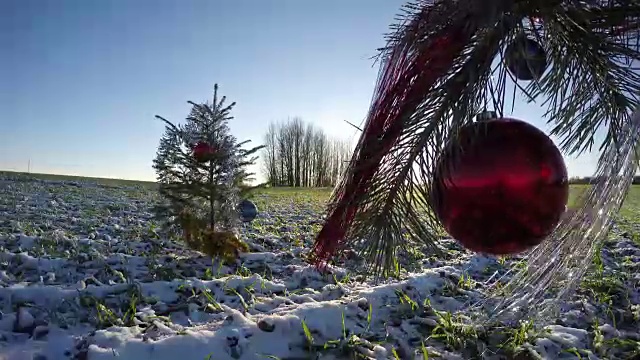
x,y
426,161
203,178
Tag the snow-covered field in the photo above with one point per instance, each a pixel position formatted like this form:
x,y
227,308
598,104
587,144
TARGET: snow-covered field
x,y
84,275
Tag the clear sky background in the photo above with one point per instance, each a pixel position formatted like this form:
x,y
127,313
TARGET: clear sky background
x,y
81,81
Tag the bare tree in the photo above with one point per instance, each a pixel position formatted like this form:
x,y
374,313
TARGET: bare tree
x,y
270,155
307,156
297,133
302,155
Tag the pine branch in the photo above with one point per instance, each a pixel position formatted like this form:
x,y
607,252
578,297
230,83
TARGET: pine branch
x,y
382,213
421,103
592,84
169,124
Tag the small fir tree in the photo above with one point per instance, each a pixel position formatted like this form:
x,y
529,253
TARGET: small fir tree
x,y
202,176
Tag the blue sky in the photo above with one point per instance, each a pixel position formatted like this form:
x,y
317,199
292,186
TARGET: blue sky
x,y
82,80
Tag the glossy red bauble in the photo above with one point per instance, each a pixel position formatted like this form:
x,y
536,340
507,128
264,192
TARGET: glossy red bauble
x,y
202,151
500,187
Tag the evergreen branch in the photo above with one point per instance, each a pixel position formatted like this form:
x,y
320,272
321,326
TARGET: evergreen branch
x,y
245,153
382,212
592,83
169,124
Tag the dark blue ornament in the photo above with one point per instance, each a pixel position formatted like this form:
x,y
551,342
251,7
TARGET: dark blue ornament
x,y
526,59
248,211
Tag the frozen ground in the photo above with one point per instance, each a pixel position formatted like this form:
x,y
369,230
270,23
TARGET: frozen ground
x,y
84,275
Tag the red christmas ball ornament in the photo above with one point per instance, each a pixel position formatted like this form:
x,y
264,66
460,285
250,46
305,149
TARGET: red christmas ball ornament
x,y
202,151
500,187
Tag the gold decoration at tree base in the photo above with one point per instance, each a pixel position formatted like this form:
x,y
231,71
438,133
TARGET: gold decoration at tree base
x,y
223,244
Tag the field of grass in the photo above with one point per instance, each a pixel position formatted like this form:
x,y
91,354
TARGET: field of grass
x,y
86,274
319,195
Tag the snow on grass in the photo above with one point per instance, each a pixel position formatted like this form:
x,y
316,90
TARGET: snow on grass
x,y
84,274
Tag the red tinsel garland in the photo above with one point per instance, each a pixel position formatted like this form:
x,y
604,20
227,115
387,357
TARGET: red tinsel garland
x,y
405,81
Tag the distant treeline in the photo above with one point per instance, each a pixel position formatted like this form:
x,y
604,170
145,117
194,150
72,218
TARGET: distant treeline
x,y
298,154
589,180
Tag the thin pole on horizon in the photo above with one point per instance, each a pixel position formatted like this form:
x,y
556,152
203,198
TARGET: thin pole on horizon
x,y
347,121
29,166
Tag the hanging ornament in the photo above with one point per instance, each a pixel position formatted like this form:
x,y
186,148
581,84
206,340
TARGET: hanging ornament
x,y
501,187
248,210
486,115
203,152
526,59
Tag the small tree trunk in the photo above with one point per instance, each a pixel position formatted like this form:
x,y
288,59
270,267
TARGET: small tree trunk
x,y
212,218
